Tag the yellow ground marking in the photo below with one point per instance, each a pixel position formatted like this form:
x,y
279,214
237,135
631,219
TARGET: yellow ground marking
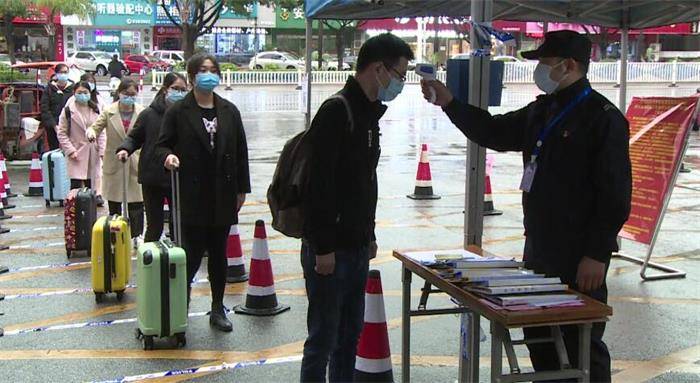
x,y
511,238
38,273
649,369
72,317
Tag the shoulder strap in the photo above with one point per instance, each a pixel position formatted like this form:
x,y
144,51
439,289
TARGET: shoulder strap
x,y
345,101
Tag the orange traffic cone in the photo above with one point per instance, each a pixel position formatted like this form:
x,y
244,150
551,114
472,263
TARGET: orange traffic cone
x,y
261,299
424,181
36,182
235,271
488,198
6,176
373,360
3,194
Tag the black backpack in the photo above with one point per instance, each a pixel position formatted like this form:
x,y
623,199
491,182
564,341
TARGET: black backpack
x,y
285,195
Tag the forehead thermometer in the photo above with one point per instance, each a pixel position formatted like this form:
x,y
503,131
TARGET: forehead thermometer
x,y
428,73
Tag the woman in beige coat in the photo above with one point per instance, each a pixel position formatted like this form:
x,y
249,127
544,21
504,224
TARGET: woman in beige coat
x,y
117,120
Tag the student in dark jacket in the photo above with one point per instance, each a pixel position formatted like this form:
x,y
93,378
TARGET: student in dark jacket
x,y
339,237
57,92
116,68
577,181
203,137
154,179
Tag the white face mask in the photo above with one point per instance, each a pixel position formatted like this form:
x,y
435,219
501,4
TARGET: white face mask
x,y
543,79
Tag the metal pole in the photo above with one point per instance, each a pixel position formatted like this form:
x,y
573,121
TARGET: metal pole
x,y
309,32
406,325
320,46
624,46
479,73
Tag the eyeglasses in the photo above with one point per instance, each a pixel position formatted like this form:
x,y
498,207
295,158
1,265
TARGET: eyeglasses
x,y
401,76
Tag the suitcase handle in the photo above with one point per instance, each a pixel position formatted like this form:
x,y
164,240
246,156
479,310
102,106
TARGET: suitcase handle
x,y
175,205
125,203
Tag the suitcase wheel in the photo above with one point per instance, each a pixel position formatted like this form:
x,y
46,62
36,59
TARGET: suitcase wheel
x,y
120,295
181,339
99,297
148,342
139,334
48,203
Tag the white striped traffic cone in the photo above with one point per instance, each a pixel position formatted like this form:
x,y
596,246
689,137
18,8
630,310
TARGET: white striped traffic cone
x,y
424,181
261,299
3,194
6,176
373,360
235,271
36,182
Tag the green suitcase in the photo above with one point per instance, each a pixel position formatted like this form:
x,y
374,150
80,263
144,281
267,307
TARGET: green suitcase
x,y
161,298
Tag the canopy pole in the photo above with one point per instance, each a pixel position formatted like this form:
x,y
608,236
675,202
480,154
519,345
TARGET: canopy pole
x,y
309,32
481,10
624,47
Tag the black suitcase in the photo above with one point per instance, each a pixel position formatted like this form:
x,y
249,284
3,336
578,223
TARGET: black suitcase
x,y
80,216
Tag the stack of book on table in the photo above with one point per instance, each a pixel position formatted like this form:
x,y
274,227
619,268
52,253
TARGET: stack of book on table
x,y
502,282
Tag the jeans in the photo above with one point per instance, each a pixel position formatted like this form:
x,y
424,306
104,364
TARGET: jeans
x,y
335,316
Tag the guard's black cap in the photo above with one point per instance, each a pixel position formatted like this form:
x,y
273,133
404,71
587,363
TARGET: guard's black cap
x,y
565,44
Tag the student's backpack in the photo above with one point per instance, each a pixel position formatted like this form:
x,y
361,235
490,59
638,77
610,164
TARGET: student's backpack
x,y
285,196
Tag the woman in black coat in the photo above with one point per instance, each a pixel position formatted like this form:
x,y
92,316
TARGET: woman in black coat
x,y
154,179
203,137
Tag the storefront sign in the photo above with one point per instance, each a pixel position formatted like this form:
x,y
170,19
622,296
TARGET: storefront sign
x,y
36,16
658,131
123,12
59,45
228,13
291,18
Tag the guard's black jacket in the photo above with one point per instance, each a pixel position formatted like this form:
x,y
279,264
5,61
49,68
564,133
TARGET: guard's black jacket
x,y
581,193
342,200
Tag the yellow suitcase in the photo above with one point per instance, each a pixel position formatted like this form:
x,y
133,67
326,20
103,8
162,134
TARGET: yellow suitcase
x,y
111,256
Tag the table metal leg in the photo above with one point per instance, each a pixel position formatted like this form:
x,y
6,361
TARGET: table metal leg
x,y
470,337
584,351
496,352
406,325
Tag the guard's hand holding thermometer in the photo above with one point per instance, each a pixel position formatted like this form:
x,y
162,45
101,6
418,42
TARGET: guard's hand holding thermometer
x,y
436,92
428,73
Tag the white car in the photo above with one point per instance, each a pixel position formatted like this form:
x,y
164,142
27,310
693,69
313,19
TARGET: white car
x,y
333,65
284,60
5,60
170,57
91,61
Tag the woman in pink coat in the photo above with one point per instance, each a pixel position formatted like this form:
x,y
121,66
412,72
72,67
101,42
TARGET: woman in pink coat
x,y
84,157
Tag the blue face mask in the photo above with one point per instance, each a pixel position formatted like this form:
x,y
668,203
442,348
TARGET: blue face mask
x,y
63,77
206,81
82,98
127,100
392,90
174,96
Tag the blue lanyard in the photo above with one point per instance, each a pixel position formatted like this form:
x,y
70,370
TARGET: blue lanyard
x,y
544,133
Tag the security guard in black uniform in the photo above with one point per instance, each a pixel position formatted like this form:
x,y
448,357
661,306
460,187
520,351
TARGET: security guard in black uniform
x,y
577,181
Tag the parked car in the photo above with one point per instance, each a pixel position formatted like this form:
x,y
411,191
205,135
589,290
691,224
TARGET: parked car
x,y
134,63
333,65
5,60
91,61
170,57
241,59
284,60
507,59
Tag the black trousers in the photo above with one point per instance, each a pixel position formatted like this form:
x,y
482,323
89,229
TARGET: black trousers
x,y
153,202
544,355
212,239
52,138
77,184
135,215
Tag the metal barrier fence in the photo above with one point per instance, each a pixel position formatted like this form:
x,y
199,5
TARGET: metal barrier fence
x,y
514,73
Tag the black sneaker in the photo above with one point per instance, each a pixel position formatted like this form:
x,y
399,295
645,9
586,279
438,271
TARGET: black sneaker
x,y
219,321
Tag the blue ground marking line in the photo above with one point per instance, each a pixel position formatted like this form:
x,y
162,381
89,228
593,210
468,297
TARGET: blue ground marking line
x,y
206,369
104,323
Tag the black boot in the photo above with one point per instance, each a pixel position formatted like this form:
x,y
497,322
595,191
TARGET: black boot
x,y
218,319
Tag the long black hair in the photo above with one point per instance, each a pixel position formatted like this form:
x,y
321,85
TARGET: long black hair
x,y
168,81
124,85
90,78
92,103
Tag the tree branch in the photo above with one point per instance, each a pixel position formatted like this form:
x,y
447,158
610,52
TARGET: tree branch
x,y
213,15
167,13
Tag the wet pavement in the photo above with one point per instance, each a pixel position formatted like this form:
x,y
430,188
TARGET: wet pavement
x,y
652,336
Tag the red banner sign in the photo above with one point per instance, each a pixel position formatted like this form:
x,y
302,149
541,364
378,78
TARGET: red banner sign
x,y
658,130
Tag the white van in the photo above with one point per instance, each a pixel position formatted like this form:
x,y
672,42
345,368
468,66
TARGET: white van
x,y
170,57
